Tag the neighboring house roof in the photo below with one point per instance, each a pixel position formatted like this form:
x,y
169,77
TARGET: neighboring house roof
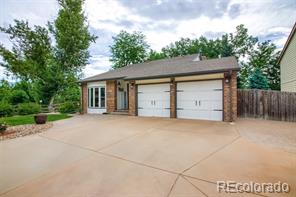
x,y
177,66
288,42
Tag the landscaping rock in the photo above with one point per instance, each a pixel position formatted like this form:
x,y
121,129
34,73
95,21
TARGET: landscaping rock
x,y
23,130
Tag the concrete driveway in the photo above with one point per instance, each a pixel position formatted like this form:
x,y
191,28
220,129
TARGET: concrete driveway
x,y
133,156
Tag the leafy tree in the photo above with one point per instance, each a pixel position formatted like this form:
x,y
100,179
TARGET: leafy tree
x,y
249,52
31,50
5,90
34,58
257,80
29,88
128,48
18,96
237,44
263,58
242,43
72,36
154,55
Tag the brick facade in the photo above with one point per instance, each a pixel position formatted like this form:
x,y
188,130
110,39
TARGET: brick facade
x,y
132,98
173,96
83,98
111,88
230,97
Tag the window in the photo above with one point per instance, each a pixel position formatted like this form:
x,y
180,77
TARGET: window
x,y
102,96
96,97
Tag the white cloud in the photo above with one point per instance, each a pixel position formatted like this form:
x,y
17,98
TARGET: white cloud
x,y
99,64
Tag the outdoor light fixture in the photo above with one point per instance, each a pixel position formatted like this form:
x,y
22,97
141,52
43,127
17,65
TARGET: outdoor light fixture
x,y
227,76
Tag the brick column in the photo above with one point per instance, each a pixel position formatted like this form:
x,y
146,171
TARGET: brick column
x,y
230,98
83,101
173,97
234,95
132,97
111,95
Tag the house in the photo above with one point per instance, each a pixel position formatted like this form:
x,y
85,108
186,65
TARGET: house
x,y
287,63
180,87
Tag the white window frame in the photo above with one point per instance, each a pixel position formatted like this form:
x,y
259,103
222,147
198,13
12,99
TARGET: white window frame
x,y
92,89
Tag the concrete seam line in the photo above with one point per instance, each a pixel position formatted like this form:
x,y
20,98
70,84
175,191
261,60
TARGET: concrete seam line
x,y
74,145
121,140
195,186
113,156
192,177
173,185
210,182
129,137
116,157
211,154
236,129
138,163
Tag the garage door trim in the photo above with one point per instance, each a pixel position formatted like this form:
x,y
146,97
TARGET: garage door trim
x,y
176,97
136,96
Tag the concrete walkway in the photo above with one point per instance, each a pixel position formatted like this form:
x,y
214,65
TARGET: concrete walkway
x,y
133,156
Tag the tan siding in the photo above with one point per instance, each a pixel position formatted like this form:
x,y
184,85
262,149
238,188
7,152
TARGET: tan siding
x,y
289,87
288,67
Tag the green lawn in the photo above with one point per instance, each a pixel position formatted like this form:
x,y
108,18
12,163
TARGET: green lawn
x,y
29,119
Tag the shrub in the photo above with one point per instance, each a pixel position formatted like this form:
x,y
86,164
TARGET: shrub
x,y
5,109
68,107
28,108
19,96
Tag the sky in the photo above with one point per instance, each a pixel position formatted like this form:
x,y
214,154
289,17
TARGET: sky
x,y
162,21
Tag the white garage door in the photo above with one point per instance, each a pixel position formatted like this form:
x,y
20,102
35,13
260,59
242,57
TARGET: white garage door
x,y
154,100
200,100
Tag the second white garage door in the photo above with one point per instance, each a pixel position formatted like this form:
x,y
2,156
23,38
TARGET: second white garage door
x,y
154,100
200,100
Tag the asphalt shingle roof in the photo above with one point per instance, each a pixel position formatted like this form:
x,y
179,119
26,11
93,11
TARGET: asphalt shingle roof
x,y
177,66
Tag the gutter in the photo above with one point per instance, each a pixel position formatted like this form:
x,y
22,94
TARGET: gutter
x,y
181,74
163,76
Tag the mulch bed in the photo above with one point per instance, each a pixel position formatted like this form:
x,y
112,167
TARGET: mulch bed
x,y
23,130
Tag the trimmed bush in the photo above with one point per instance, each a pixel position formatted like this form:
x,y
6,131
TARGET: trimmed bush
x,y
19,96
68,108
5,109
28,108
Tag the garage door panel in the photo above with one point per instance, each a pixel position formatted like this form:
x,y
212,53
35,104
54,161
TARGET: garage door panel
x,y
200,100
154,100
211,105
145,112
161,113
186,104
161,104
192,114
185,95
202,85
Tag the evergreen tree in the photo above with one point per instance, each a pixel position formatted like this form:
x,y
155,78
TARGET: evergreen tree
x,y
258,81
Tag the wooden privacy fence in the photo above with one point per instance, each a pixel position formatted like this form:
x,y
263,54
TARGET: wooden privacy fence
x,y
267,104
